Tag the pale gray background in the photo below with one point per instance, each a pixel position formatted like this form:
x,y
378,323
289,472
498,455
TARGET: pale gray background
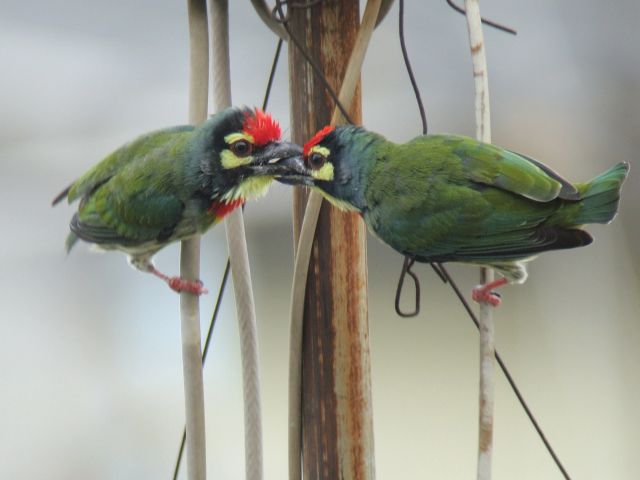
x,y
90,366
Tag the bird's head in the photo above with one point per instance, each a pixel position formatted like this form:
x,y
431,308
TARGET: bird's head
x,y
335,161
242,153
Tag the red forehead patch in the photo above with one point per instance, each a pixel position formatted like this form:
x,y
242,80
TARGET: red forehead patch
x,y
262,127
317,138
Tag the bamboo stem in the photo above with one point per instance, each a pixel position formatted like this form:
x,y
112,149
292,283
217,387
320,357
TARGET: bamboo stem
x,y
487,341
190,259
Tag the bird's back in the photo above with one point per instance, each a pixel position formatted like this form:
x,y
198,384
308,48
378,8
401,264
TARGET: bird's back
x,y
447,197
129,198
131,153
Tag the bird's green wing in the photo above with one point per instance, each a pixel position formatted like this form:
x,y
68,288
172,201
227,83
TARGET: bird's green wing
x,y
130,217
452,198
139,201
133,151
496,167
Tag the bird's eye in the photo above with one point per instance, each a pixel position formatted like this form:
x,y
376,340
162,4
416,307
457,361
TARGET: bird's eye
x,y
316,160
241,148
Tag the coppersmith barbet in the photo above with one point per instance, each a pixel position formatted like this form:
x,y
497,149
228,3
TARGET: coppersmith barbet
x,y
171,184
441,198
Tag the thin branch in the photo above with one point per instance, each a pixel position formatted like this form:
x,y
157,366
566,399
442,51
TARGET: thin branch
x,y
239,257
190,259
205,350
227,268
487,340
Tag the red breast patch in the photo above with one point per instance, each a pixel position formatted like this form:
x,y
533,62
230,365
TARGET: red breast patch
x,y
221,209
262,127
317,138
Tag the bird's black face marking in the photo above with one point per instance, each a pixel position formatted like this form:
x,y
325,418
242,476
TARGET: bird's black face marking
x,y
238,152
332,162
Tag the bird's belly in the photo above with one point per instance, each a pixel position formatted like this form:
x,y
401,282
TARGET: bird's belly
x,y
430,236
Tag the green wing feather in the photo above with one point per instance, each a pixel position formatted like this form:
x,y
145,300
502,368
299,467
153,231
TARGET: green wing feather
x,y
113,163
500,168
130,197
447,197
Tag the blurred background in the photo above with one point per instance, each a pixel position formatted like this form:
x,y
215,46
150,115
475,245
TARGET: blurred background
x,y
91,375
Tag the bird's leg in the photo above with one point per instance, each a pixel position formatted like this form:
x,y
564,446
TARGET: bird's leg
x,y
484,293
177,284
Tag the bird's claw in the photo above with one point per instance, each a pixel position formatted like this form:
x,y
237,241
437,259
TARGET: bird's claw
x,y
178,284
481,295
484,293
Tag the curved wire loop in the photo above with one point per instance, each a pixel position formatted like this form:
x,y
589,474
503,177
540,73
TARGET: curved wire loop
x,y
491,23
444,275
406,270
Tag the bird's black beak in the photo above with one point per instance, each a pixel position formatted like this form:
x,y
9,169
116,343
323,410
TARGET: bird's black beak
x,y
269,161
294,171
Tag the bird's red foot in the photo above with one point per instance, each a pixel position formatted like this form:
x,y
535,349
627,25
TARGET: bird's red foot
x,y
179,284
484,293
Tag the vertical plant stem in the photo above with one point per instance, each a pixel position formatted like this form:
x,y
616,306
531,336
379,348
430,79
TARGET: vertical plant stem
x,y
239,258
339,445
487,345
190,259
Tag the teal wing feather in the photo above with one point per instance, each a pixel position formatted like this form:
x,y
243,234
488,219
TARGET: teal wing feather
x,y
138,201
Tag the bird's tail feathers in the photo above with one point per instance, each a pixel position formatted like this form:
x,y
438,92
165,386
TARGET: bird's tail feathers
x,y
63,194
601,196
72,239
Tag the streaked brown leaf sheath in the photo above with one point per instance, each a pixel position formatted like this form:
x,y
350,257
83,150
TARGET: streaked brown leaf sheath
x,y
337,416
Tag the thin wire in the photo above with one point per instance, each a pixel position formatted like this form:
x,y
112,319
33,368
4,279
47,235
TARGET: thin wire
x,y
408,261
272,74
317,70
284,18
223,284
406,270
507,374
437,267
227,268
491,23
446,278
407,63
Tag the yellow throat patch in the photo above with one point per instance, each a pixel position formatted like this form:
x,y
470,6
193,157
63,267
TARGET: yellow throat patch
x,y
253,187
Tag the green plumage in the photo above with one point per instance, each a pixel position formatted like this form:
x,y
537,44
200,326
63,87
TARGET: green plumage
x,y
445,198
171,184
137,194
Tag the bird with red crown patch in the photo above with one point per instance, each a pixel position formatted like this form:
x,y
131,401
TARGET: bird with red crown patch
x,y
175,183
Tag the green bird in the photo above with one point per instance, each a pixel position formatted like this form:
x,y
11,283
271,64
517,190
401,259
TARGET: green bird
x,y
175,183
442,198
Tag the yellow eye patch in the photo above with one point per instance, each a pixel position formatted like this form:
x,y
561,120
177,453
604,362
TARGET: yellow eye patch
x,y
234,137
230,159
324,151
324,173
